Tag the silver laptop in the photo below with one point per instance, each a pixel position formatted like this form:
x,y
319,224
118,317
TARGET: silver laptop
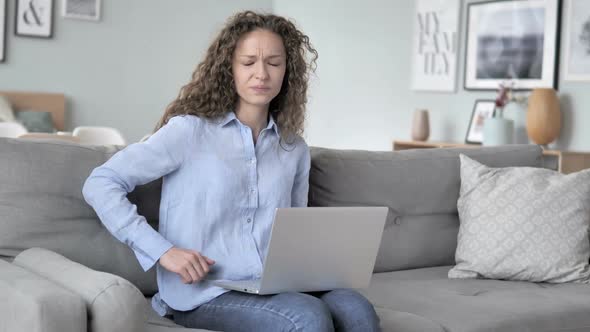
x,y
317,249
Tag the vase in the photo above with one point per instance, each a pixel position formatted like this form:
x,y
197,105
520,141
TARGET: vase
x,y
543,119
420,125
517,113
498,130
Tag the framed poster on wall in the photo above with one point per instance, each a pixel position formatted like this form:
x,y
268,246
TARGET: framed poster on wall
x,y
3,19
81,9
436,24
34,18
577,41
515,42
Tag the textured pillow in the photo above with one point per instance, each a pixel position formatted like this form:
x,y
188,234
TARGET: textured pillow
x,y
113,303
6,111
522,223
35,121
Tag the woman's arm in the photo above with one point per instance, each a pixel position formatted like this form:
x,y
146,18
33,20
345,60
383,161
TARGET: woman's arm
x,y
301,184
107,187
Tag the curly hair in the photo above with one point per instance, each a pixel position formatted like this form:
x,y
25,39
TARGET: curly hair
x,y
211,93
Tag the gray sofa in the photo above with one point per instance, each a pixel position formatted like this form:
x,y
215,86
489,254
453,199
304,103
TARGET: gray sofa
x,y
84,279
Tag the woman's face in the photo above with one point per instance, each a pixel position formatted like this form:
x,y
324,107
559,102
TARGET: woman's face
x,y
258,66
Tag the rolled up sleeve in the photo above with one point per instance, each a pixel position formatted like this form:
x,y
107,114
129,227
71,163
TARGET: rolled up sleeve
x,y
107,187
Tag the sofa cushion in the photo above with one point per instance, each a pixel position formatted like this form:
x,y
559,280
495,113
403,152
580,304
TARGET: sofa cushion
x,y
523,223
476,305
112,303
31,303
41,205
36,121
420,187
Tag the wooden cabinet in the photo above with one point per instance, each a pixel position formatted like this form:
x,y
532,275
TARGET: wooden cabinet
x,y
563,161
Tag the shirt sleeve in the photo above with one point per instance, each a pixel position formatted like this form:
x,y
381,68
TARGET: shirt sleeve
x,y
107,187
301,184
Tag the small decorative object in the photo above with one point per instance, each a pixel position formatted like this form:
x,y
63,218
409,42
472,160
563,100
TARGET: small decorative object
x,y
435,45
499,130
420,125
577,41
35,121
482,110
543,120
3,20
512,40
34,18
81,9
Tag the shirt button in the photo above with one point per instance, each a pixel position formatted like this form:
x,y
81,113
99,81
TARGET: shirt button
x,y
249,220
252,161
253,191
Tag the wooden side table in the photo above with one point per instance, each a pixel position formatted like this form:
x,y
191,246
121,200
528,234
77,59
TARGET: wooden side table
x,y
562,161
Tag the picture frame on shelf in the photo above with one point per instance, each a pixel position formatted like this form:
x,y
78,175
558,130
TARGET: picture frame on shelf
x,y
81,9
435,46
34,18
577,41
482,110
3,25
512,42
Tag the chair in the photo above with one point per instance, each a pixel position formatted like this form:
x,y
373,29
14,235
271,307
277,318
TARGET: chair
x,y
99,135
48,136
12,129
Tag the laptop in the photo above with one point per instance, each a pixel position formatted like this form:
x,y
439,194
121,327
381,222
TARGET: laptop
x,y
318,249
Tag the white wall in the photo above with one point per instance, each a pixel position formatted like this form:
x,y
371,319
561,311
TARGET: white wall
x,y
125,69
361,97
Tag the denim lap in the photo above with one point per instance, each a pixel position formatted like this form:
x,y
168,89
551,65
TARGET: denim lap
x,y
351,311
236,311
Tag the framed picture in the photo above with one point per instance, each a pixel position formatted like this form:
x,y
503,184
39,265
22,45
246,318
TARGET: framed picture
x,y
482,110
81,9
34,18
577,41
435,49
3,19
512,42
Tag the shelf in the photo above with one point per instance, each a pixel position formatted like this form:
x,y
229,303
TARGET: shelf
x,y
562,161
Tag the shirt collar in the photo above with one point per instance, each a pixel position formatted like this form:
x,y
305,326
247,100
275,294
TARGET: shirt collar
x,y
231,116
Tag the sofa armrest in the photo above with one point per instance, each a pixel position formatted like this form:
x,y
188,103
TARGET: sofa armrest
x,y
112,303
30,302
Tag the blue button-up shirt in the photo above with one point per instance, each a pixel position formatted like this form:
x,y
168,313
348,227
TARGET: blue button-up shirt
x,y
219,195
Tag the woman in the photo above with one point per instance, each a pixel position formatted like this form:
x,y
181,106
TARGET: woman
x,y
230,153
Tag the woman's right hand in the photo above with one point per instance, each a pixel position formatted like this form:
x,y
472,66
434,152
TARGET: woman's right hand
x,y
189,264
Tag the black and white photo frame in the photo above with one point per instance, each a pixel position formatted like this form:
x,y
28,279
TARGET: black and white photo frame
x,y
81,9
34,18
3,20
513,42
577,41
482,110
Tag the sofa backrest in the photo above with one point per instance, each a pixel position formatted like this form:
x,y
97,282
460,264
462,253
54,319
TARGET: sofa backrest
x,y
420,187
41,205
41,202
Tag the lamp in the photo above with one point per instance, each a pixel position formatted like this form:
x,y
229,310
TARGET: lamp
x,y
543,118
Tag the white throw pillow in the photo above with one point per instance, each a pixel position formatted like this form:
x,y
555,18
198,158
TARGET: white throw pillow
x,y
522,223
6,111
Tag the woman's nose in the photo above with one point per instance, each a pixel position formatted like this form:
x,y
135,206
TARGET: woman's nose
x,y
261,71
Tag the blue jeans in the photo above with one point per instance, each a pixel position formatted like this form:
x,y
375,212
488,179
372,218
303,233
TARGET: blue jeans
x,y
337,310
